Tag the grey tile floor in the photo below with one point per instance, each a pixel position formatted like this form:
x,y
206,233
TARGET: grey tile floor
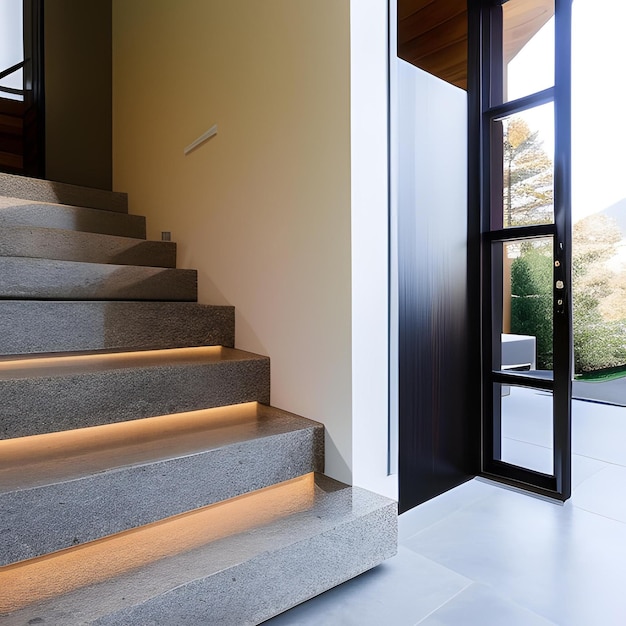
x,y
485,555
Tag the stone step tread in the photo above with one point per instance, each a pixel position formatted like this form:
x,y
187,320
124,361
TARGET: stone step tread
x,y
236,562
68,245
66,365
51,394
19,212
63,193
62,489
41,279
31,326
40,460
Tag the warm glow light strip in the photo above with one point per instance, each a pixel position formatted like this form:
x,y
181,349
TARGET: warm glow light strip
x,y
39,579
103,361
21,451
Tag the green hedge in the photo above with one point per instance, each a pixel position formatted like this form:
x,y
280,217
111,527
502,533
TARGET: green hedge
x,y
598,344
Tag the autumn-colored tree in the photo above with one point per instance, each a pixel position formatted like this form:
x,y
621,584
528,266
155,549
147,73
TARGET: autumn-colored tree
x,y
598,286
599,333
599,340
527,176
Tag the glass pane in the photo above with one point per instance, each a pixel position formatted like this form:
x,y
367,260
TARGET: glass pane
x,y
598,197
526,429
11,45
526,321
527,48
524,145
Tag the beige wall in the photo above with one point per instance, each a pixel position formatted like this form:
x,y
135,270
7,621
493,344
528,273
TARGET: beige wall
x,y
263,209
77,39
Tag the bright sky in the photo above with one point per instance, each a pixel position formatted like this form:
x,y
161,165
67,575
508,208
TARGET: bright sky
x,y
598,100
11,49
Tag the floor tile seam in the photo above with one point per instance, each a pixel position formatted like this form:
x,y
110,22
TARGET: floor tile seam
x,y
441,519
577,486
612,519
529,443
593,458
450,599
582,456
447,568
497,593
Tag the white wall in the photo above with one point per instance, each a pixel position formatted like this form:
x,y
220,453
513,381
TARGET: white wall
x,y
262,210
370,321
284,212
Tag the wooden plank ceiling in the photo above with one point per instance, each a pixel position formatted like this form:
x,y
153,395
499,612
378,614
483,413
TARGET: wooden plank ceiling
x,y
432,34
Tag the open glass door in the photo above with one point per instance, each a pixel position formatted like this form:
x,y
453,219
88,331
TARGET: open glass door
x,y
526,243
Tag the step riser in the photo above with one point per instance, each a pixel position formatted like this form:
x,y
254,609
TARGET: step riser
x,y
62,193
42,279
292,545
31,406
259,589
39,327
34,523
67,245
122,514
19,213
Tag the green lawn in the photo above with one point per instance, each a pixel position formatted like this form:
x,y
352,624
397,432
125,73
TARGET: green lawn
x,y
603,375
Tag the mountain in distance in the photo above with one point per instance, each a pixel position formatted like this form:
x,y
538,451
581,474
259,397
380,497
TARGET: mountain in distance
x,y
618,212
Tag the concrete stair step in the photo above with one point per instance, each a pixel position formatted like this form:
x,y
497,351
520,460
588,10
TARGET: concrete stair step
x,y
69,245
31,326
237,562
43,395
62,193
64,489
18,212
41,279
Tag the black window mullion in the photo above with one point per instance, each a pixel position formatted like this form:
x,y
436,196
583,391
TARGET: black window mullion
x,y
492,144
518,379
505,109
563,366
490,408
490,107
536,482
516,233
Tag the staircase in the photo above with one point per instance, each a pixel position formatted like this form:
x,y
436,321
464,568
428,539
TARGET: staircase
x,y
144,476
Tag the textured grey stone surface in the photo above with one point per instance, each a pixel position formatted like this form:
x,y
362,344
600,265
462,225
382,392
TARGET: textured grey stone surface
x,y
56,399
41,279
243,579
62,193
16,212
184,473
70,245
30,326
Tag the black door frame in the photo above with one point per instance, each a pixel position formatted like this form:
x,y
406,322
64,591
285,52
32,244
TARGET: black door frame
x,y
484,46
